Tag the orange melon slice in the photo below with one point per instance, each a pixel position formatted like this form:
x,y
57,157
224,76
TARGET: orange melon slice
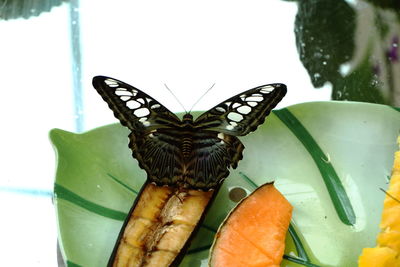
x,y
254,232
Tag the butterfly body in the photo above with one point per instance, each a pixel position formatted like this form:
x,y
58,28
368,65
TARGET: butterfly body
x,y
186,157
187,153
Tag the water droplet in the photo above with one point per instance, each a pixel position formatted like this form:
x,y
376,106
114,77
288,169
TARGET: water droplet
x,y
327,158
344,69
374,82
317,55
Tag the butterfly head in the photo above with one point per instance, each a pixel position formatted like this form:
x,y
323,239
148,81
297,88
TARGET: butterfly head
x,y
187,118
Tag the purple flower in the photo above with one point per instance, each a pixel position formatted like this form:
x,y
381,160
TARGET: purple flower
x,y
392,53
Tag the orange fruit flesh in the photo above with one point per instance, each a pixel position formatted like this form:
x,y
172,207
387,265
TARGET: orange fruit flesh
x,y
387,251
254,233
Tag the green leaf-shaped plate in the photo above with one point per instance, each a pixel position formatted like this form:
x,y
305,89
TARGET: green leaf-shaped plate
x,y
329,159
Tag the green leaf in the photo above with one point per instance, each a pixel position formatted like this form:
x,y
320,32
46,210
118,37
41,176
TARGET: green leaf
x,y
65,194
98,173
324,32
14,9
328,174
362,84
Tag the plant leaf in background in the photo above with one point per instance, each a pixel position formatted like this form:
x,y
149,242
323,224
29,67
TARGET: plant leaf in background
x,y
324,32
14,9
361,84
387,4
97,181
353,46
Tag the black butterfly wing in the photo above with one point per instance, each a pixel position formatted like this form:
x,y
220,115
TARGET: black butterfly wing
x,y
134,108
159,154
157,134
243,113
212,155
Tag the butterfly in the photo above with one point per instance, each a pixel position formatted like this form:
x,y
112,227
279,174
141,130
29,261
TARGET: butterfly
x,y
187,153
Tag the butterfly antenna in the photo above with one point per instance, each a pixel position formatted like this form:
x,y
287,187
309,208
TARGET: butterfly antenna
x,y
172,93
201,97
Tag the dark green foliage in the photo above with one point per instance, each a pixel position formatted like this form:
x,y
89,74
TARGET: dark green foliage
x,y
362,84
324,38
14,9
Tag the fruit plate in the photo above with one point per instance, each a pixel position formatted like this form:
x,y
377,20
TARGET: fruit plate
x,y
329,159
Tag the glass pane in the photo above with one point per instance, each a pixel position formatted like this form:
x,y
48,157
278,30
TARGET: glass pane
x,y
36,97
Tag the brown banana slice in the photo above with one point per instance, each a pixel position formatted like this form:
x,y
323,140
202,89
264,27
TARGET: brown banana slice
x,y
160,225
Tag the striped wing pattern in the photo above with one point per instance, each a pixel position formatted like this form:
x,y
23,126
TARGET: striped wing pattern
x,y
186,153
160,155
243,113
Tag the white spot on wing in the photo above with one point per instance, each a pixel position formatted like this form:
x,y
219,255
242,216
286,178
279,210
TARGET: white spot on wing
x,y
125,98
244,109
145,123
233,116
140,100
111,82
120,93
235,105
132,104
229,127
267,89
220,109
252,104
155,106
141,112
255,98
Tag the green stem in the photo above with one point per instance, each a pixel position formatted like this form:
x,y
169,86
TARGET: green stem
x,y
300,261
333,184
301,252
63,193
123,184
